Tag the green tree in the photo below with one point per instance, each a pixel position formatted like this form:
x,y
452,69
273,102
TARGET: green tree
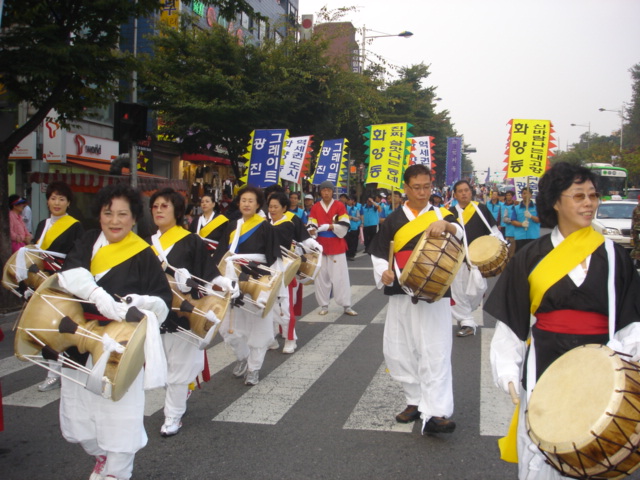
x,y
62,55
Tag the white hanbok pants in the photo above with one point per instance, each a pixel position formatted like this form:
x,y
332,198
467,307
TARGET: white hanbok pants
x,y
333,276
184,362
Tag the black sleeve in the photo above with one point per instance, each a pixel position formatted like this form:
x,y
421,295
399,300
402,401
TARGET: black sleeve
x,y
487,214
223,244
39,229
271,244
284,233
300,231
627,288
193,226
80,254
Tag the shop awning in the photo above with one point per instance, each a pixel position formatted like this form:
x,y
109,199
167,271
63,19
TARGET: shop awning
x,y
200,157
89,182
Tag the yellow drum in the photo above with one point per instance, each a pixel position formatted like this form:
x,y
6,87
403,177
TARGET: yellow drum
x,y
489,254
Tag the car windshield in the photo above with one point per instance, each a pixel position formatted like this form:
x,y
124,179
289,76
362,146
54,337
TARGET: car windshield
x,y
615,210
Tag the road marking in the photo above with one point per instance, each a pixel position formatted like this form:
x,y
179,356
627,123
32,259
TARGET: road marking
x,y
358,292
496,408
378,406
267,402
381,315
31,397
11,365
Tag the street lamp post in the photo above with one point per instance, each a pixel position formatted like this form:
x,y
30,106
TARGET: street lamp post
x,y
588,127
405,34
621,113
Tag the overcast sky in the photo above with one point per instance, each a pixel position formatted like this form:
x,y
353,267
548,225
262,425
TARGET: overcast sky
x,y
494,60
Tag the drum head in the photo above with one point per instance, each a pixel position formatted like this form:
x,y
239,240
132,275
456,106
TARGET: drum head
x,y
32,280
570,402
130,363
291,266
484,249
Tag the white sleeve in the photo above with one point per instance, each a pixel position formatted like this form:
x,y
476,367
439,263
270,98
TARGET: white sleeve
x,y
627,341
340,230
459,231
507,356
379,267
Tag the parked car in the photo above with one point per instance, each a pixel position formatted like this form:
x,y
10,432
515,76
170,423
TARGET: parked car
x,y
613,220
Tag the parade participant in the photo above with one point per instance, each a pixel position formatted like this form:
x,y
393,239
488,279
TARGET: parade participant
x,y
495,206
183,254
252,238
210,224
396,199
308,203
525,220
370,221
295,208
635,235
435,200
105,265
563,279
477,220
417,339
58,233
20,236
329,221
354,210
507,213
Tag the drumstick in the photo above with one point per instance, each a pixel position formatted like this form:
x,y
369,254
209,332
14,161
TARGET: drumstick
x,y
514,396
390,269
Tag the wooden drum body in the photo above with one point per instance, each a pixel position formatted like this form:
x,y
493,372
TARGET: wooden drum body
x,y
432,266
310,264
584,413
291,263
489,254
195,310
33,270
48,321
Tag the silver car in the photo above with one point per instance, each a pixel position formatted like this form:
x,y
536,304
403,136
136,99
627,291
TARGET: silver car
x,y
613,220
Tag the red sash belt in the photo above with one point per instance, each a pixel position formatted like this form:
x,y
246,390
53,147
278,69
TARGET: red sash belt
x,y
574,322
95,316
402,257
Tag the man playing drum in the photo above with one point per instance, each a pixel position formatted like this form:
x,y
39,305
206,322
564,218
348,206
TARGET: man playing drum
x,y
581,288
417,336
477,221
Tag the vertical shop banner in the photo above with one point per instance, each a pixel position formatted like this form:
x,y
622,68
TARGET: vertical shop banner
x,y
332,161
422,152
264,157
487,179
521,182
454,160
170,13
297,156
389,147
529,147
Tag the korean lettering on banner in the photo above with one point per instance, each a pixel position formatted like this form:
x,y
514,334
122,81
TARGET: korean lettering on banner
x,y
295,151
330,161
170,13
421,153
454,160
387,147
521,182
266,157
528,147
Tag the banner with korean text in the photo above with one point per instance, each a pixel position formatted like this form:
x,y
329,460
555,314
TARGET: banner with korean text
x,y
297,155
528,147
422,152
264,157
454,160
389,147
332,161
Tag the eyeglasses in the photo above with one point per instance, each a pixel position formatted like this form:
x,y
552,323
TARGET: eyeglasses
x,y
419,188
580,197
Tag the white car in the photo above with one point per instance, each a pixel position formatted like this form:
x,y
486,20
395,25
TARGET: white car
x,y
613,220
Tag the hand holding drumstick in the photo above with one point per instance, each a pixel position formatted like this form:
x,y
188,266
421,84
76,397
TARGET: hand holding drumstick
x,y
388,276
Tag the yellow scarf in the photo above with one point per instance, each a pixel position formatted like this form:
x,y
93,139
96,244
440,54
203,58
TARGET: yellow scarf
x,y
116,253
212,225
415,227
171,237
468,212
247,227
58,228
560,261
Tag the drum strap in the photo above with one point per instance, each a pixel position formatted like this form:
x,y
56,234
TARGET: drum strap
x,y
163,242
212,225
243,231
560,261
114,254
416,226
56,229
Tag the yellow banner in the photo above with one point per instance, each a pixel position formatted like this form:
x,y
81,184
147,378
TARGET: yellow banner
x,y
389,148
169,13
529,143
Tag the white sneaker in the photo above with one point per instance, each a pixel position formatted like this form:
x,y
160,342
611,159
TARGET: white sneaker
x,y
289,346
350,311
274,345
240,369
171,426
324,310
99,468
50,383
252,377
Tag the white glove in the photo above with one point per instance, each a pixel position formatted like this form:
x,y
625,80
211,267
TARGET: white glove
x,y
181,275
227,285
323,228
107,306
503,383
78,282
311,243
527,213
507,219
148,302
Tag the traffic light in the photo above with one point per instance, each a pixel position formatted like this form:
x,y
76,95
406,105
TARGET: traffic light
x,y
130,122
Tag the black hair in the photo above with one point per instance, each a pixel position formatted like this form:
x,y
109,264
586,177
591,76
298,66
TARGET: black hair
x,y
281,198
105,196
256,191
60,188
555,181
414,171
297,194
176,200
460,182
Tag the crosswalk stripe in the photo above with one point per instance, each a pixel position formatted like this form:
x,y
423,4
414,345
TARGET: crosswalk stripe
x,y
269,401
11,365
31,397
358,292
496,407
378,406
381,315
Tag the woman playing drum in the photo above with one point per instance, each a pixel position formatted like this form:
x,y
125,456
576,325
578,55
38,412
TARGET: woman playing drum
x,y
105,265
183,254
252,238
560,278
211,224
58,233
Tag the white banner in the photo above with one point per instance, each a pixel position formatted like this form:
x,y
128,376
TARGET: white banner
x,y
26,149
295,151
421,151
